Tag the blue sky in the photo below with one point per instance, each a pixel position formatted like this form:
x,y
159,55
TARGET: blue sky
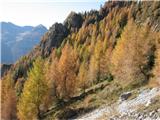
x,y
46,12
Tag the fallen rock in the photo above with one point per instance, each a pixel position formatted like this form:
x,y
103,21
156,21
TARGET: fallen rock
x,y
125,96
148,103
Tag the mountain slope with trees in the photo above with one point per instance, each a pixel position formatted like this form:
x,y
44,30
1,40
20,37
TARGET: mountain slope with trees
x,y
86,62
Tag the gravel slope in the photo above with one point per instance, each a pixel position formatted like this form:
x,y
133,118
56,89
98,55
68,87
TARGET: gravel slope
x,y
127,109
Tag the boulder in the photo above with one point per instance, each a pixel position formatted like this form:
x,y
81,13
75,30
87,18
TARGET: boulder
x,y
125,96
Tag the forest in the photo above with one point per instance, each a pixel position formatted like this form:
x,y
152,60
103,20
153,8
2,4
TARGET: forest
x,y
117,47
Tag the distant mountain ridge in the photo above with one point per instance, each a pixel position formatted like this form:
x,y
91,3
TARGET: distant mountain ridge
x,y
17,40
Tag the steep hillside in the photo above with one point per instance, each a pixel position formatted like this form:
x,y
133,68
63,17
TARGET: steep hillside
x,y
86,62
18,41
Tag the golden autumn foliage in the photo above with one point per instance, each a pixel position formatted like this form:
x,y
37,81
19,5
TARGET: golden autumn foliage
x,y
131,57
8,99
83,76
32,97
64,73
51,77
156,70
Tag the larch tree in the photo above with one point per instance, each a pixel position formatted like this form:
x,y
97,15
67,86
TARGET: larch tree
x,y
83,76
99,63
67,72
94,66
52,76
35,88
130,59
104,64
156,70
8,99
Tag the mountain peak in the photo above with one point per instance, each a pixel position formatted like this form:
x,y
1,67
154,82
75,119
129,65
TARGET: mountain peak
x,y
40,26
19,40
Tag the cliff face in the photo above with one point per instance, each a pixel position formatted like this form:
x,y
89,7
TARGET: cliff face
x,y
53,38
73,22
57,32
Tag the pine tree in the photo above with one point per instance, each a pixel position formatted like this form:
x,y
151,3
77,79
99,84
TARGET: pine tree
x,y
35,88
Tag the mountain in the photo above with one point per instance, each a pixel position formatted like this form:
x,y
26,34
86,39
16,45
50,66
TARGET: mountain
x,y
18,41
102,63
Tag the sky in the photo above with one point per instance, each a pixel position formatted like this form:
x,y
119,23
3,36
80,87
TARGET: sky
x,y
46,12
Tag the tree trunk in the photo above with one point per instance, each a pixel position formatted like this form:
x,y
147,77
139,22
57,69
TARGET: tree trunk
x,y
39,113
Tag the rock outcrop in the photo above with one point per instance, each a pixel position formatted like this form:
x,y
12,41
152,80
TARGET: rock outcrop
x,y
53,38
73,22
56,34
